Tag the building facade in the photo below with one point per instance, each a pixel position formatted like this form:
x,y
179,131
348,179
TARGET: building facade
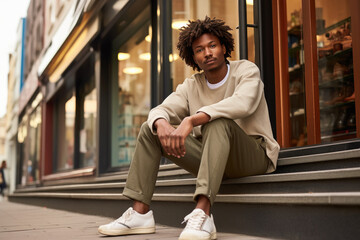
x,y
99,90
29,112
105,64
15,83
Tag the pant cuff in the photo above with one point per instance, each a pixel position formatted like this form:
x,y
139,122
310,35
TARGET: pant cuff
x,y
135,196
206,193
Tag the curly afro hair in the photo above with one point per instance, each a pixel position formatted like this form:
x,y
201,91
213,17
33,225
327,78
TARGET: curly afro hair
x,y
195,29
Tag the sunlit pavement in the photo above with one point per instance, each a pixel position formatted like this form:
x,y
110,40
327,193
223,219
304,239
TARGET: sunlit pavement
x,y
20,221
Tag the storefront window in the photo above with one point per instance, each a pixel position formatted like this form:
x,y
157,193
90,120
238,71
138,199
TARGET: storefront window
x,y
336,78
298,129
88,126
29,137
75,120
34,151
131,96
184,10
65,127
22,140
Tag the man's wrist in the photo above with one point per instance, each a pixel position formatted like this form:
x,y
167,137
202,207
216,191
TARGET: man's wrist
x,y
199,118
157,122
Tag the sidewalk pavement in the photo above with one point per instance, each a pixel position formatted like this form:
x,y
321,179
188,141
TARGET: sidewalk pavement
x,y
20,221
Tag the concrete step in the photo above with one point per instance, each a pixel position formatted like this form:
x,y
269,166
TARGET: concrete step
x,y
337,180
325,198
282,216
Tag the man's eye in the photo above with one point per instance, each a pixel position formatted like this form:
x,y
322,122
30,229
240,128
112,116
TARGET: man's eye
x,y
213,46
199,50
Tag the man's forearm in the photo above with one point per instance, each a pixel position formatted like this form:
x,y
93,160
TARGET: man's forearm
x,y
199,118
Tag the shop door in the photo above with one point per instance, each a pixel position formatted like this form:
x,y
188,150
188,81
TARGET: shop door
x,y
317,78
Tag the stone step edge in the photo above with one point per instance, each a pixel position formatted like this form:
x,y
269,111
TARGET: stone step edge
x,y
326,198
345,173
321,157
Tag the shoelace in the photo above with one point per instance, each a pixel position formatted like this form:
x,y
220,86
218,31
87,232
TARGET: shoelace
x,y
126,216
194,220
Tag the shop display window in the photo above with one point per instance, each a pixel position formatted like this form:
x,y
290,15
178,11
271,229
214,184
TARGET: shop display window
x,y
320,105
33,173
86,93
65,130
22,138
336,77
29,137
75,111
131,91
184,10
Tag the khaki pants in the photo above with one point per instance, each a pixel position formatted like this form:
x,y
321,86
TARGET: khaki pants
x,y
225,151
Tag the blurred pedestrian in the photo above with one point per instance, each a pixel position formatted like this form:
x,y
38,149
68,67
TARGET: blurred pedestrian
x,y
2,178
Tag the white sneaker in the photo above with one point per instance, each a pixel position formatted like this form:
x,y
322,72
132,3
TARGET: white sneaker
x,y
199,226
131,222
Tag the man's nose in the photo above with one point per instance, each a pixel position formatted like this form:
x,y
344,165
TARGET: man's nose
x,y
208,52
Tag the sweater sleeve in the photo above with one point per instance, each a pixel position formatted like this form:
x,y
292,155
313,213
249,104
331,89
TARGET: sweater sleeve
x,y
173,109
245,99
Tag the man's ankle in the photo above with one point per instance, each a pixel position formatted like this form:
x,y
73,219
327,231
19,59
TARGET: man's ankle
x,y
204,204
141,207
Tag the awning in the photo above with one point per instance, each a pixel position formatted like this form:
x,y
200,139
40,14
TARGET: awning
x,y
64,32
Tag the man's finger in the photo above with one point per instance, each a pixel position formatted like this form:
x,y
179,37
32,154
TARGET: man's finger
x,y
182,147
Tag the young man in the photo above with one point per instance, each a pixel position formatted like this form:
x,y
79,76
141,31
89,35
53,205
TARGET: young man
x,y
223,131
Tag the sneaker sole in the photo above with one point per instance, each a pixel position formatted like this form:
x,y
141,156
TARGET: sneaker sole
x,y
127,231
212,237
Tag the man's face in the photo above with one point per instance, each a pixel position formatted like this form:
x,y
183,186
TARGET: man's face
x,y
208,52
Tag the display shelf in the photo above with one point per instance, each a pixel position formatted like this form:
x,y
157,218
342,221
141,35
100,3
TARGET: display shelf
x,y
338,136
340,56
296,94
336,25
336,105
337,82
298,113
296,72
294,50
296,31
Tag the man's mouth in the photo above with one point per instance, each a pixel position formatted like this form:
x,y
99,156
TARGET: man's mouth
x,y
211,60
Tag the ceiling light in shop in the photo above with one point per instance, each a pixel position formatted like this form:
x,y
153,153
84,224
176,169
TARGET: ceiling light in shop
x,y
250,2
179,24
133,70
123,56
173,57
148,38
145,56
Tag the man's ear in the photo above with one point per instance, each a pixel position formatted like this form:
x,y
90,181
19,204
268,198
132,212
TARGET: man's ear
x,y
223,48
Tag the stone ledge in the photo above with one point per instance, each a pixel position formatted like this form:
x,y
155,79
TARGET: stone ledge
x,y
344,198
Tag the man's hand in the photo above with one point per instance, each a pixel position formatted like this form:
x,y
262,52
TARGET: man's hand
x,y
177,137
173,140
164,129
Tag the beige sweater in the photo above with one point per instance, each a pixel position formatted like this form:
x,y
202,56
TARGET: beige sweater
x,y
241,98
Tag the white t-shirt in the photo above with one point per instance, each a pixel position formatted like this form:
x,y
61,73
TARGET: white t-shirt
x,y
219,84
